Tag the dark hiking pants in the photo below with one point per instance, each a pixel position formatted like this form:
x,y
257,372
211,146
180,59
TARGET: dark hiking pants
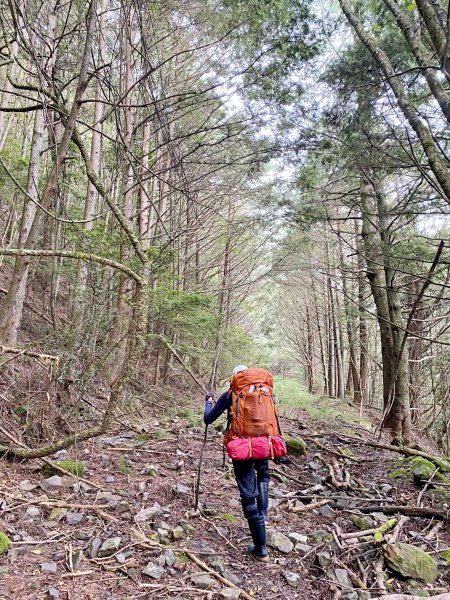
x,y
252,478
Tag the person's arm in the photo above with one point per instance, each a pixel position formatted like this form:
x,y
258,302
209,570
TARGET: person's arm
x,y
213,411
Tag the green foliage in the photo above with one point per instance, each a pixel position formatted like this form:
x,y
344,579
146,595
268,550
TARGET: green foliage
x,y
5,543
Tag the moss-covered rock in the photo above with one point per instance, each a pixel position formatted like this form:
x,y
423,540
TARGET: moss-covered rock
x,y
296,445
398,473
445,555
410,561
75,467
5,543
361,522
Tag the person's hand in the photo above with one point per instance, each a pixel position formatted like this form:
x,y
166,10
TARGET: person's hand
x,y
209,396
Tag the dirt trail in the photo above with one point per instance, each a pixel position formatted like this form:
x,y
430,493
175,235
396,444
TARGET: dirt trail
x,y
143,501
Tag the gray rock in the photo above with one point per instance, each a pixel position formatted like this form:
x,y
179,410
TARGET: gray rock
x,y
303,548
148,514
291,578
121,558
181,488
27,486
77,557
74,518
170,558
153,571
325,511
80,487
297,538
340,576
53,592
122,506
323,559
320,535
109,547
279,541
229,594
33,511
203,581
94,547
418,592
151,470
52,484
386,488
363,595
82,535
177,533
110,479
350,596
231,577
49,567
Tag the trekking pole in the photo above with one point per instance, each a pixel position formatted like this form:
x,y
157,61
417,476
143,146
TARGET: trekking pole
x,y
200,385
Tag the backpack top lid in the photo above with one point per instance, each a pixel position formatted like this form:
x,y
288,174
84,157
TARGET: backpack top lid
x,y
244,379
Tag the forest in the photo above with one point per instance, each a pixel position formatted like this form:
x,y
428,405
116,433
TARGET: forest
x,y
189,185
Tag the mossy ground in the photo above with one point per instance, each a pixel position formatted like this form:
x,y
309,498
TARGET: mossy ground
x,y
75,467
5,543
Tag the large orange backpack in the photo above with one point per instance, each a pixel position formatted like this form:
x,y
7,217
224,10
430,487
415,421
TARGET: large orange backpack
x,y
253,412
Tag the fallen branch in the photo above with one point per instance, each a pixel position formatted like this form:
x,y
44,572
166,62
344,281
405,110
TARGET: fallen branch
x,y
220,578
336,453
353,576
25,352
445,596
410,511
312,506
400,449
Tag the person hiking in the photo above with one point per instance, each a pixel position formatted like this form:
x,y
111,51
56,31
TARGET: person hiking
x,y
253,436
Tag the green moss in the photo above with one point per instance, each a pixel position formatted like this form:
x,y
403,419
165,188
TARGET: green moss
x,y
228,517
296,445
73,466
402,472
184,413
445,555
346,451
378,534
5,543
361,522
142,437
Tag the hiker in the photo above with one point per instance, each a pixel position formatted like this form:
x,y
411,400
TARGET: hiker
x,y
253,436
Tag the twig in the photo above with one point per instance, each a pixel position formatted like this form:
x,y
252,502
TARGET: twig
x,y
220,578
336,453
425,487
411,511
380,573
307,507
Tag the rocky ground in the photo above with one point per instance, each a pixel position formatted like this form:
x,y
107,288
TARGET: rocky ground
x,y
126,528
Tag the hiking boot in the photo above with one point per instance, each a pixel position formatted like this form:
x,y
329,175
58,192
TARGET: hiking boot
x,y
258,532
262,556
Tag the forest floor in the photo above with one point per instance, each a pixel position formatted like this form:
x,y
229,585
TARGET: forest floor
x,y
127,529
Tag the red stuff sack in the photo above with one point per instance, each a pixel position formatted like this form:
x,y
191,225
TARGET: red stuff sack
x,y
260,447
278,446
239,449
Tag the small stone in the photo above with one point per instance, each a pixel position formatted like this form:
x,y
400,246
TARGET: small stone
x,y
340,576
181,488
53,592
279,541
148,514
94,547
57,514
350,596
203,581
177,533
325,511
229,594
363,595
170,558
110,479
121,558
74,518
122,507
82,535
27,486
323,559
320,535
188,528
153,571
49,567
291,578
109,547
297,538
33,511
418,592
150,470
4,570
386,488
304,548
52,484
77,557
231,577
